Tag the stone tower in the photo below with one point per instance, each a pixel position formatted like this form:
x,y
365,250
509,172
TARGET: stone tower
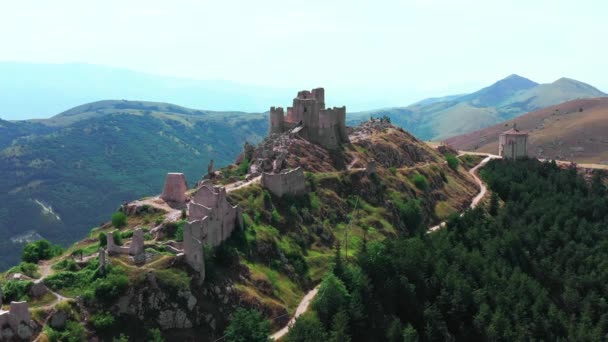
x,y
326,127
512,144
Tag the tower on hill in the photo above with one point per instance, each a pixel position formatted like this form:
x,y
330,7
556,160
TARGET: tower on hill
x,y
512,144
310,119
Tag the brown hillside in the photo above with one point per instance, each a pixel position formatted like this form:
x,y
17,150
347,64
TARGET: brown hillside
x,y
575,130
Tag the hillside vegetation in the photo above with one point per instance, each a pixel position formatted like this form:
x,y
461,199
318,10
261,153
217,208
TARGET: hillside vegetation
x,y
438,119
534,269
575,130
287,246
62,176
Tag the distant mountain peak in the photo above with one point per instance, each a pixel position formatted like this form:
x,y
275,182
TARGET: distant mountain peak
x,y
500,91
516,77
565,82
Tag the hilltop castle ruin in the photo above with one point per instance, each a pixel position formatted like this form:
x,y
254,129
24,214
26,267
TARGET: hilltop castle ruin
x,y
310,119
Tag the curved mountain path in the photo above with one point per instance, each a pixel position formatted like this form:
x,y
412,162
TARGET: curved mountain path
x,y
45,270
302,308
305,303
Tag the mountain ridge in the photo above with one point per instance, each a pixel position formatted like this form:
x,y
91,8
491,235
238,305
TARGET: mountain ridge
x,y
505,99
575,130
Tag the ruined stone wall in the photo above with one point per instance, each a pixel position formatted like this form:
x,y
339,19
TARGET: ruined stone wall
x,y
277,119
211,220
290,182
332,127
115,249
18,319
193,249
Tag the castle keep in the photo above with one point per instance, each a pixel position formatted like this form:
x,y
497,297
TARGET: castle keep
x,y
310,119
512,144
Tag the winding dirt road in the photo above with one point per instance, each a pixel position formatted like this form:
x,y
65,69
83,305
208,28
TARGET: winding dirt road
x,y
302,308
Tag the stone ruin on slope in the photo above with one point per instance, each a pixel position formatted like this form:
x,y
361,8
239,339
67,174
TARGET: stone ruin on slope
x,y
211,220
15,322
135,248
288,182
175,188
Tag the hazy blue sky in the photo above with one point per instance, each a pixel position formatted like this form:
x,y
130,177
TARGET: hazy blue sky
x,y
408,49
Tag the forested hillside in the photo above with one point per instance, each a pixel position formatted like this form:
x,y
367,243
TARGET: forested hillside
x,y
534,269
60,177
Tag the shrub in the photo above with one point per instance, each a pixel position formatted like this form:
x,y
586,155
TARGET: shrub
x,y
411,214
420,182
243,168
154,335
103,239
111,287
40,250
119,219
392,170
16,290
29,269
452,161
248,326
173,278
117,236
66,265
267,200
306,328
73,332
276,217
443,176
103,322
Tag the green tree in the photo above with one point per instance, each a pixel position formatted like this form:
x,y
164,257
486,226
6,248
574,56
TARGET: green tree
x,y
394,333
248,326
103,322
119,219
453,162
493,207
307,328
40,250
420,182
338,263
410,334
331,298
340,331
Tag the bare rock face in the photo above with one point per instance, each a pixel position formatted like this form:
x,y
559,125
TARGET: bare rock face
x,y
38,290
59,319
175,188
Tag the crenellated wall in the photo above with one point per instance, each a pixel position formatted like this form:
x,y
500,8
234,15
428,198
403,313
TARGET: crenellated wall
x,y
291,182
326,127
